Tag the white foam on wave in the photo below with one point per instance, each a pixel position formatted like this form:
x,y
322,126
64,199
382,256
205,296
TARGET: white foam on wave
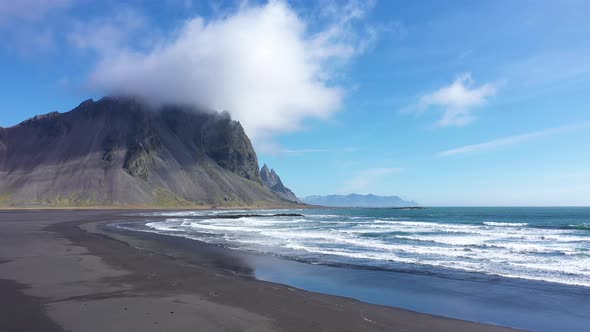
x,y
180,213
162,226
505,224
506,249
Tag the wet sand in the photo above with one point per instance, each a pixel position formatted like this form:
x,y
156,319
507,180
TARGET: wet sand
x,y
60,271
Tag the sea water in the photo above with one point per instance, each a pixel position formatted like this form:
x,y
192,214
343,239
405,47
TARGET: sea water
x,y
551,244
524,267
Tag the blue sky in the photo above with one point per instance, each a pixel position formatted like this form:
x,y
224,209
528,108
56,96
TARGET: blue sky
x,y
445,103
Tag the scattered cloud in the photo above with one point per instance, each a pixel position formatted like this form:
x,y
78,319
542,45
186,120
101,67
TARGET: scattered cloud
x,y
28,41
575,175
364,179
457,100
29,10
512,140
262,63
465,54
26,28
300,152
108,34
549,67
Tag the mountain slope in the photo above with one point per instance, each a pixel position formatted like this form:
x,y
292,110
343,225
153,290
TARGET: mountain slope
x,y
272,181
119,151
355,200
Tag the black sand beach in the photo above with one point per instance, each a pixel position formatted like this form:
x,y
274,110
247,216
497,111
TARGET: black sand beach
x,y
60,272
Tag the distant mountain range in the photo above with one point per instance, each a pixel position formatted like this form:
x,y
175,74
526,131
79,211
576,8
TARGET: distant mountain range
x,y
121,151
356,200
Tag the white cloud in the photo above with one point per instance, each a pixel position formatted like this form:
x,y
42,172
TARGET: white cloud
x,y
364,179
109,34
29,10
28,41
457,100
24,26
300,152
511,140
550,67
261,63
575,175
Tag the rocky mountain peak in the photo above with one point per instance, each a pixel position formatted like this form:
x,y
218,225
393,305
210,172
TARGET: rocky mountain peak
x,y
265,170
120,150
272,180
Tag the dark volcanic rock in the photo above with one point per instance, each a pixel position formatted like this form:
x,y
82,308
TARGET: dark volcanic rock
x,y
271,180
2,143
228,145
122,151
48,124
142,149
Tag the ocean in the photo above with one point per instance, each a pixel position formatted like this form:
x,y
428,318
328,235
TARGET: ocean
x,y
525,267
549,244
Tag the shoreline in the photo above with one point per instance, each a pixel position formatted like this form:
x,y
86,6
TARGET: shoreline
x,y
109,278
456,294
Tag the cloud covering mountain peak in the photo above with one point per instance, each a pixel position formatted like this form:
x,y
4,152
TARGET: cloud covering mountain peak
x,y
261,63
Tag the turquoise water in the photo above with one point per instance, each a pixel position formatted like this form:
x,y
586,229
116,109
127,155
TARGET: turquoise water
x,y
548,244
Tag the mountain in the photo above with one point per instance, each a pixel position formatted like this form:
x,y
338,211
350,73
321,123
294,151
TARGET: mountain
x,y
120,151
355,200
272,181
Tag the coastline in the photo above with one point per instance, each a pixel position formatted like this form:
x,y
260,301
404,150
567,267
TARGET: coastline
x,y
466,295
85,278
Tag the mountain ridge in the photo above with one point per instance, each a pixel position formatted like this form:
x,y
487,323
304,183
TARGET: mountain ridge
x,y
356,200
121,151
